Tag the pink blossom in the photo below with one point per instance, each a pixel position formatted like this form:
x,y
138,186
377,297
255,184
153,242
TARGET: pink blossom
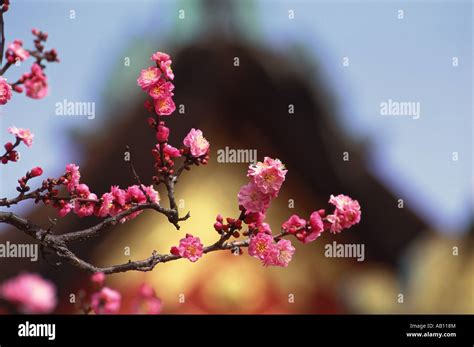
x,y
252,199
162,89
107,202
169,151
294,224
5,91
30,292
23,134
165,67
65,208
284,253
164,106
268,176
346,214
148,77
190,248
316,227
261,246
254,217
147,302
151,193
119,195
196,142
135,195
162,133
36,84
98,278
84,208
15,51
160,56
72,177
106,301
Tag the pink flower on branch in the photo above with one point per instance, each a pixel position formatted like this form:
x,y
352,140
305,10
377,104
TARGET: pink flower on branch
x,y
23,134
252,199
148,77
346,214
268,176
36,83
189,247
161,89
196,142
30,293
164,106
5,91
261,246
15,52
72,177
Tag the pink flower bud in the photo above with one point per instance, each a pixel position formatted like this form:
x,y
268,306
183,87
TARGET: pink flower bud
x,y
35,172
98,278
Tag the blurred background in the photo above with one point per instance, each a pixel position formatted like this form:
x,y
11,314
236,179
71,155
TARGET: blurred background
x,y
335,61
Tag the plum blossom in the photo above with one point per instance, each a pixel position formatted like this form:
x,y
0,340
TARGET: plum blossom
x,y
30,293
294,224
84,208
165,67
261,246
72,177
164,106
281,254
65,207
5,91
151,193
107,201
346,214
15,52
161,89
268,176
162,133
160,56
106,301
196,142
189,247
252,199
36,83
148,77
23,134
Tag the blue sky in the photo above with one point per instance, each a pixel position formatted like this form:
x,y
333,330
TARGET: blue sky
x,y
407,59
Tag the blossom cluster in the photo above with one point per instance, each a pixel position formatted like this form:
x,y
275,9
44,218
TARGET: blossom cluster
x,y
35,82
156,82
84,203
